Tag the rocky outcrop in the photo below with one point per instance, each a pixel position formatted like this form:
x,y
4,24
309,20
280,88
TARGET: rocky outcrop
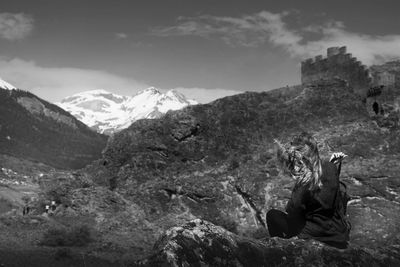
x,y
218,162
200,243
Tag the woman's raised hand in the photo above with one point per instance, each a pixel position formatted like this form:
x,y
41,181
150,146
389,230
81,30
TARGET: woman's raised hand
x,y
337,157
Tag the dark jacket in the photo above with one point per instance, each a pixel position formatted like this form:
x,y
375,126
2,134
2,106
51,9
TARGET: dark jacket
x,y
317,215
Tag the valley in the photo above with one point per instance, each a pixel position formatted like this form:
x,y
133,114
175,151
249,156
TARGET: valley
x,y
199,133
215,162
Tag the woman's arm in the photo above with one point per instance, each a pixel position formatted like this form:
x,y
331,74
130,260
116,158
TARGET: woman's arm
x,y
336,159
296,204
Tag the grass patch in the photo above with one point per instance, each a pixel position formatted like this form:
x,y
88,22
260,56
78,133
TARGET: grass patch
x,y
75,236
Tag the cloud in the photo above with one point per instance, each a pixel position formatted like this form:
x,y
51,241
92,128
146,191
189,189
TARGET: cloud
x,y
272,28
369,49
244,31
203,95
15,26
53,84
121,35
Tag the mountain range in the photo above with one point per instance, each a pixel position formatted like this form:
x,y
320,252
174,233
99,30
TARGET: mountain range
x,y
106,112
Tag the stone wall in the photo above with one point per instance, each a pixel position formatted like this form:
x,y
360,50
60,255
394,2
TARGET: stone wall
x,y
383,104
387,74
384,78
337,64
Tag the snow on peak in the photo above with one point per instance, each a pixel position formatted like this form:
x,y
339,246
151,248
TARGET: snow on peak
x,y
6,85
96,92
91,93
107,112
150,91
175,94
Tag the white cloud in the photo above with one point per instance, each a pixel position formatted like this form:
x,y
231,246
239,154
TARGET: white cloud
x,y
203,95
15,26
53,84
233,31
121,35
267,27
369,49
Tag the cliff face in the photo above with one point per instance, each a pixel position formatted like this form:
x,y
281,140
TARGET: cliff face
x,y
218,162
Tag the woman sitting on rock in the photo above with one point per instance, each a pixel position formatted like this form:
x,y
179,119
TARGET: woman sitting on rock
x,y
317,207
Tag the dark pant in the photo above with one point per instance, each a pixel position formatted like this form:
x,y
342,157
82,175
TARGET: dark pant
x,y
280,225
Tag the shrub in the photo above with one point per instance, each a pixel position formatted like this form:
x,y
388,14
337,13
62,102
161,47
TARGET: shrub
x,y
55,237
79,236
63,253
59,193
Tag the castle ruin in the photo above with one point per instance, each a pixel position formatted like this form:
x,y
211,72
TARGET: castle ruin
x,y
383,78
338,64
378,86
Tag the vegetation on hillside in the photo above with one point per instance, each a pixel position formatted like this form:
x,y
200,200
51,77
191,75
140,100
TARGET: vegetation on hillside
x,y
39,137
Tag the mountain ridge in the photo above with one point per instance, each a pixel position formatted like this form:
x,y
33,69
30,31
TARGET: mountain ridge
x,y
107,112
34,129
6,85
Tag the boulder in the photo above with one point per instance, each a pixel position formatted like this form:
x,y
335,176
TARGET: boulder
x,y
200,243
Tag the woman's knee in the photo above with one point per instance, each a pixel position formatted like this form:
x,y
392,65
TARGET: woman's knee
x,y
274,214
277,223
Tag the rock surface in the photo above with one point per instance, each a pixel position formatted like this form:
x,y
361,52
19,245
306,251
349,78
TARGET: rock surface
x,y
200,243
218,162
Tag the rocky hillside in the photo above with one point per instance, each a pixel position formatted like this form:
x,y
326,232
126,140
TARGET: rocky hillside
x,y
106,112
217,162
33,129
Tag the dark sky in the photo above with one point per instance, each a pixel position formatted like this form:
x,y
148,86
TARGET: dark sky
x,y
205,48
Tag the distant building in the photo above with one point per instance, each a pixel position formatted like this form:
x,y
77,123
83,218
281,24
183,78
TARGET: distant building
x,y
378,85
337,64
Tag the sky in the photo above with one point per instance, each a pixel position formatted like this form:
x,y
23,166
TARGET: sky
x,y
205,49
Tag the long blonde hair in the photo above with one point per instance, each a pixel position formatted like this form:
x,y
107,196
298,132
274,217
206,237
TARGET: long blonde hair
x,y
300,158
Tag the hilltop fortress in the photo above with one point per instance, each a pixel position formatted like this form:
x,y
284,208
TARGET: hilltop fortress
x,y
378,85
342,65
337,64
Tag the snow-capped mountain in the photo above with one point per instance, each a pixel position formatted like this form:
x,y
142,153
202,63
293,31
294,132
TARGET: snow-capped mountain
x,y
107,112
6,85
